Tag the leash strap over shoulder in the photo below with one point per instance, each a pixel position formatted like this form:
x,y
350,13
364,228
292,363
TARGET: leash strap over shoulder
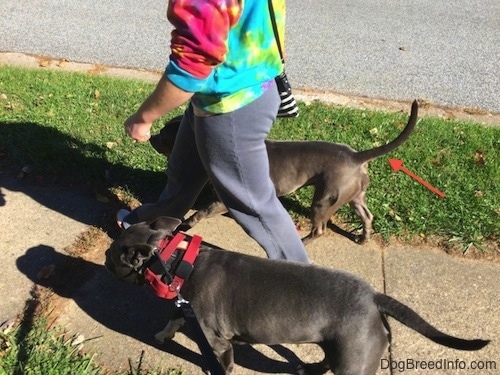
x,y
288,106
275,30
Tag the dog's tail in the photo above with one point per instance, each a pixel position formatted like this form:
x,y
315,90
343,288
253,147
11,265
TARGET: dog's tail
x,y
367,155
411,319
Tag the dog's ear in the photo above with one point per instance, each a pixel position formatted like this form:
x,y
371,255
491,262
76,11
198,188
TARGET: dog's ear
x,y
137,254
166,223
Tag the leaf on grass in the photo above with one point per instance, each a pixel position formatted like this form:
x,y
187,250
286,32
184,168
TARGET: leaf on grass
x,y
436,162
27,169
78,340
7,326
62,63
46,272
44,63
110,145
424,103
97,69
5,346
395,215
480,158
101,198
97,94
3,96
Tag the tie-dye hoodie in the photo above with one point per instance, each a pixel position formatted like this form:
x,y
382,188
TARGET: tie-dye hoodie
x,y
224,50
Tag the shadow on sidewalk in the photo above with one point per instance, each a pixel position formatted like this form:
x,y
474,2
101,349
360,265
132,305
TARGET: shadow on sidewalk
x,y
130,310
39,160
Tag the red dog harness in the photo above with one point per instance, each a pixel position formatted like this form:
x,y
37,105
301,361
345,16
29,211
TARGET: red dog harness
x,y
166,249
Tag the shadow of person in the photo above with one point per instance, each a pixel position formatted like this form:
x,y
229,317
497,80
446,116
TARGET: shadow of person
x,y
53,164
130,310
2,197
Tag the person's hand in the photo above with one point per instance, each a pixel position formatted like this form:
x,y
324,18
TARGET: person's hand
x,y
137,129
165,97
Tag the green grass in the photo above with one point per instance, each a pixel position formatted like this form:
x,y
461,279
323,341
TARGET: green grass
x,y
67,128
34,346
37,349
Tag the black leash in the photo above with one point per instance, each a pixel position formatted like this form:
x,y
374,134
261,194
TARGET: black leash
x,y
207,352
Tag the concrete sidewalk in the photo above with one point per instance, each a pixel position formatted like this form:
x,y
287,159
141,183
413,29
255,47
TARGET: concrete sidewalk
x,y
460,297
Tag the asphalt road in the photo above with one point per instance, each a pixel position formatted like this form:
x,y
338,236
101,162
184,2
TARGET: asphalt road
x,y
447,52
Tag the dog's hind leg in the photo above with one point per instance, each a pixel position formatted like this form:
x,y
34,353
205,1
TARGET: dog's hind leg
x,y
358,204
360,361
324,205
168,332
358,349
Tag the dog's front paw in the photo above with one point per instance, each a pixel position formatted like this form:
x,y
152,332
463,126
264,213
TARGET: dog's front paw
x,y
191,221
162,336
359,239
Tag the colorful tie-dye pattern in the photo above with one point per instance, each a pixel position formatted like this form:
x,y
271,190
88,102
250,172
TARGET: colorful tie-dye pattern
x,y
223,50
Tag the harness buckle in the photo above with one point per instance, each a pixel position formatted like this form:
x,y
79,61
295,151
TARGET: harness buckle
x,y
180,298
175,286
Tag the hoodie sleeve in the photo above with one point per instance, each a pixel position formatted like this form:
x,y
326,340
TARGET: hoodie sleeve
x,y
199,39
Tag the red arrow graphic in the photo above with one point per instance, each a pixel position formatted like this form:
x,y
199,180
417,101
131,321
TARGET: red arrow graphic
x,y
397,165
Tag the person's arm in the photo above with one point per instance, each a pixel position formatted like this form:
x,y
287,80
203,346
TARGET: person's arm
x,y
162,100
199,43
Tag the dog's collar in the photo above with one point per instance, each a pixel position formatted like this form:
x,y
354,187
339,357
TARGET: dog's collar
x,y
170,256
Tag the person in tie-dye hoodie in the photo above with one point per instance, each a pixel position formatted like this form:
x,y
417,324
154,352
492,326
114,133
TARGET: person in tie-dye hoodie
x,y
223,61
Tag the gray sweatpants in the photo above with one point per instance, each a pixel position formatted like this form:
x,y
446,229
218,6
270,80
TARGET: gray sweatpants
x,y
229,150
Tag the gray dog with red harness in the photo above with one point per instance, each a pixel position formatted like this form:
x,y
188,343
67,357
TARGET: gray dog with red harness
x,y
296,303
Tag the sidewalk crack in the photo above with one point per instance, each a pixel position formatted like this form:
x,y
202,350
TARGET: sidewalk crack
x,y
384,288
